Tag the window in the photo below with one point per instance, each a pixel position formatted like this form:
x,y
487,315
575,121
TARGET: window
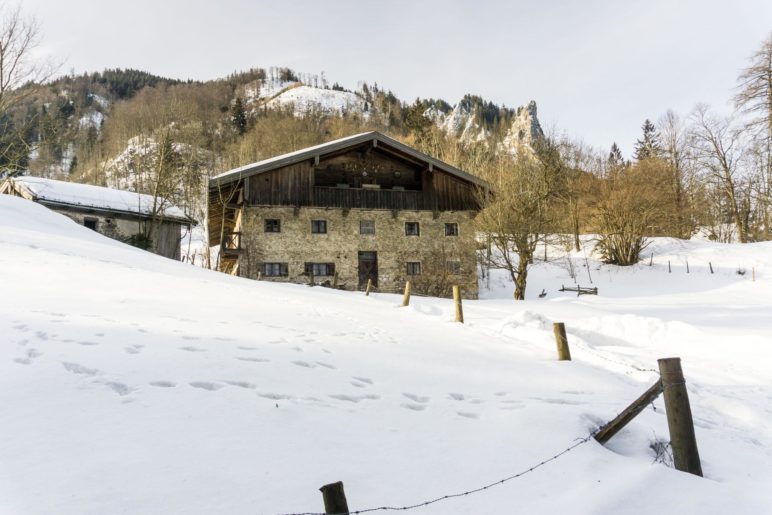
x,y
91,223
451,229
453,267
272,225
319,269
319,226
366,227
412,229
275,270
413,268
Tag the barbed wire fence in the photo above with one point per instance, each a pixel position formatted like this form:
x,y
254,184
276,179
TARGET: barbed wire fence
x,y
576,443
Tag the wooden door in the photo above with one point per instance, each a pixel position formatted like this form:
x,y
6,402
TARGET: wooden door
x,y
368,268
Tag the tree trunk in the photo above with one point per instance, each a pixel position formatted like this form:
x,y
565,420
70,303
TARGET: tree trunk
x,y
521,277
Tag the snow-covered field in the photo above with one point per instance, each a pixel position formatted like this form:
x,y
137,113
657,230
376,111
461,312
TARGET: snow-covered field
x,y
134,384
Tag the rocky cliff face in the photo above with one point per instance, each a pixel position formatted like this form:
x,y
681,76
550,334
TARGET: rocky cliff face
x,y
525,129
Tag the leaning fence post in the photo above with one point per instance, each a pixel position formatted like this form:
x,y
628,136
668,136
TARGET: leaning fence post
x,y
687,266
369,286
711,266
259,276
406,297
564,354
334,498
679,417
457,301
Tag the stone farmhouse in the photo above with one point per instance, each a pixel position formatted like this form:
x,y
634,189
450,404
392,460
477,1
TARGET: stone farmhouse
x,y
141,220
357,208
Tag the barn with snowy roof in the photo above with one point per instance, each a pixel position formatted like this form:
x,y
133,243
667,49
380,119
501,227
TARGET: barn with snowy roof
x,y
357,209
145,221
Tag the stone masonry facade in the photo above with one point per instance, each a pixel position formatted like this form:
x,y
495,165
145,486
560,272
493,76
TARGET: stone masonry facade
x,y
447,255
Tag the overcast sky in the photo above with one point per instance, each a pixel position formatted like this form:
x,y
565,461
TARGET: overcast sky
x,y
596,69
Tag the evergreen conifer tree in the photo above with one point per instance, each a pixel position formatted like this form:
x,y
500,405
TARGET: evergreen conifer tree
x,y
649,146
239,116
615,158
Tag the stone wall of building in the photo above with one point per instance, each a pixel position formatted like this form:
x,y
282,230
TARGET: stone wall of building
x,y
166,243
296,245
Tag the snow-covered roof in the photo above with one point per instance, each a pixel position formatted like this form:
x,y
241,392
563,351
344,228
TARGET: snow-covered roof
x,y
334,146
49,191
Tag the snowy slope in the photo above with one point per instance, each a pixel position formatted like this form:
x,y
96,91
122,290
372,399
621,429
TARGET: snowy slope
x,y
134,384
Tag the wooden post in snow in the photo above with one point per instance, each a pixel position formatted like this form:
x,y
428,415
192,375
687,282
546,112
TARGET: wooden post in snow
x,y
369,287
334,498
668,267
651,259
753,273
711,267
564,354
687,266
259,275
679,417
457,302
406,297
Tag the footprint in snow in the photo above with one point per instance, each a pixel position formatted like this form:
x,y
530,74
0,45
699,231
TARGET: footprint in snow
x,y
21,327
241,384
274,396
326,365
414,407
467,414
190,348
362,379
41,335
76,368
87,343
304,364
119,388
246,347
163,384
416,398
353,398
456,396
222,339
133,349
191,337
253,360
205,385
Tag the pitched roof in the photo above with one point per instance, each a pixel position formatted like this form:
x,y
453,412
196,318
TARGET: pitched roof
x,y
337,145
61,193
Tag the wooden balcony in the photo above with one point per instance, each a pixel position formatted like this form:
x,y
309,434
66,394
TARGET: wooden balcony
x,y
231,244
353,198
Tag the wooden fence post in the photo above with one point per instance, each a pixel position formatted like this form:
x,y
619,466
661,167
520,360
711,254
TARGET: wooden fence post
x,y
311,281
334,498
259,275
668,267
564,354
335,280
679,417
369,286
711,266
753,273
651,259
687,266
406,297
457,301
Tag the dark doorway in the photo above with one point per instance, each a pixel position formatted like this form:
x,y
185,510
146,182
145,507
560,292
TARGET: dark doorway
x,y
368,268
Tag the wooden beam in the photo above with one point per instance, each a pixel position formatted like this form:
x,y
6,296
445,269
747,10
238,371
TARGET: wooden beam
x,y
316,160
621,420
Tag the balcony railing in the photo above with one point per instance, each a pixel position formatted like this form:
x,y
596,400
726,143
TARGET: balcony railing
x,y
231,243
353,198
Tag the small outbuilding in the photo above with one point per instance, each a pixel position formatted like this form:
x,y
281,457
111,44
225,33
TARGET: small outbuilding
x,y
144,221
